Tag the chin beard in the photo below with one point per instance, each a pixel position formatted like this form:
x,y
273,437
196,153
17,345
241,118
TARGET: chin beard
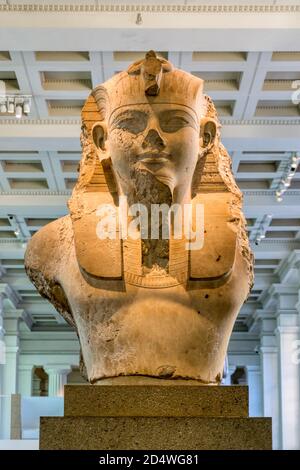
x,y
147,189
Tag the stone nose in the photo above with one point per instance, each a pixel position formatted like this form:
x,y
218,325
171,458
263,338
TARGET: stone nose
x,y
154,140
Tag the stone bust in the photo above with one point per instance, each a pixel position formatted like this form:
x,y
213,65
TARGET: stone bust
x,y
148,306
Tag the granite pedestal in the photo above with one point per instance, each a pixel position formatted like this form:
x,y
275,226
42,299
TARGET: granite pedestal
x,y
133,413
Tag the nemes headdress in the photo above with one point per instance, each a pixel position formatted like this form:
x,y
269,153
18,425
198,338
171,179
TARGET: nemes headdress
x,y
152,80
148,81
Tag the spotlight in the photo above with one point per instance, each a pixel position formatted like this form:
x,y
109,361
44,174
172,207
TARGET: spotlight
x,y
288,173
263,227
19,110
11,107
15,104
3,108
26,107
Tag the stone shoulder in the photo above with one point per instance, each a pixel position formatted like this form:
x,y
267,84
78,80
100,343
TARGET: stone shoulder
x,y
45,257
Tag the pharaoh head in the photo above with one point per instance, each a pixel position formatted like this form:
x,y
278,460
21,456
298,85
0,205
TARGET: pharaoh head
x,y
153,126
149,306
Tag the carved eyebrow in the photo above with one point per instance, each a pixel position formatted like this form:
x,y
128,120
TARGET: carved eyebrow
x,y
127,114
179,111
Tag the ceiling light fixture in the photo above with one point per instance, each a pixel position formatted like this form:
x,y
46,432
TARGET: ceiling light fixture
x,y
3,108
260,233
288,175
17,228
19,111
11,107
15,104
26,107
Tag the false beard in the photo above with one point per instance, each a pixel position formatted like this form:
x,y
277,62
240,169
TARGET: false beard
x,y
148,190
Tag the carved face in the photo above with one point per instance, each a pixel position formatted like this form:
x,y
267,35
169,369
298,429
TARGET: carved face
x,y
160,139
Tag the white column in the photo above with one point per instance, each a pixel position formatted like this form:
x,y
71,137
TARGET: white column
x,y
25,379
269,371
2,361
11,325
287,334
270,383
2,333
255,390
57,378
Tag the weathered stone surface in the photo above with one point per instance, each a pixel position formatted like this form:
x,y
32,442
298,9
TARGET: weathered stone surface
x,y
128,433
147,306
165,398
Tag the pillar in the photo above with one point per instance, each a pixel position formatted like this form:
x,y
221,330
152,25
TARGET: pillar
x,y
57,378
287,338
255,390
2,361
2,333
25,379
10,375
270,375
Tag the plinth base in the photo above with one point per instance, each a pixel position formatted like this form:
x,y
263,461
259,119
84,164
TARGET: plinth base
x,y
156,415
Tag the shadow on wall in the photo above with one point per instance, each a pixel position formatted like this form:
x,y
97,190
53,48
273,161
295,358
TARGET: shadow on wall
x,y
39,382
239,376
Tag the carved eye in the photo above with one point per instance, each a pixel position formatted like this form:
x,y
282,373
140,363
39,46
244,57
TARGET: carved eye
x,y
174,124
131,123
171,121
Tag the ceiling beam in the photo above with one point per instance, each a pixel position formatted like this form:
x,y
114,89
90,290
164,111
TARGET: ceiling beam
x,y
36,135
259,203
34,204
262,137
65,135
39,204
257,28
